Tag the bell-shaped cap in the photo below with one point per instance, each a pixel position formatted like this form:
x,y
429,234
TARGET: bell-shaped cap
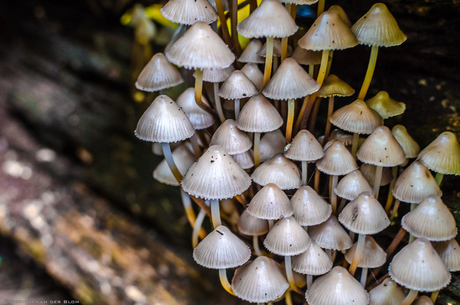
x,y
385,106
449,251
270,19
334,86
379,28
259,115
237,86
280,171
331,235
250,55
290,82
270,203
271,143
314,261
357,118
410,147
309,208
417,266
183,159
200,48
188,12
216,75
260,281
368,171
164,122
304,147
430,219
381,149
373,256
352,185
231,138
221,249
158,74
254,74
199,118
287,238
337,160
415,184
215,176
328,32
245,160
364,215
338,287
442,155
423,300
252,226
339,11
306,57
387,293
339,135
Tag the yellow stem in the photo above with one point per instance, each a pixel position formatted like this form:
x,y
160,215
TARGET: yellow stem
x,y
369,73
412,207
317,175
289,275
223,23
290,119
268,61
284,40
169,159
394,172
287,297
335,179
434,296
358,254
234,22
395,210
320,7
219,109
224,281
256,149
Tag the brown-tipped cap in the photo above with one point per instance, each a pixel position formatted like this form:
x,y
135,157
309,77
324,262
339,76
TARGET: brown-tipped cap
x,y
423,300
183,159
339,11
271,143
306,57
364,215
199,118
337,160
259,115
352,185
221,249
338,287
410,147
417,266
254,74
430,219
200,48
270,203
356,117
276,49
287,238
381,149
331,235
334,86
415,184
164,122
280,171
260,281
314,261
387,293
328,32
237,86
250,55
188,12
442,155
158,74
231,138
215,176
270,19
385,106
368,171
379,28
252,226
309,208
216,75
245,160
304,147
373,256
449,251
290,82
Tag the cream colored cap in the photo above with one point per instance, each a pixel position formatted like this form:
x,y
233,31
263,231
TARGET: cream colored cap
x,y
215,176
379,28
338,287
200,48
314,261
385,106
373,256
449,251
417,266
270,19
237,86
183,159
410,147
339,11
287,238
304,147
334,86
442,155
231,138
331,235
271,143
252,226
306,57
270,203
309,208
280,171
387,293
328,32
164,122
430,219
216,75
352,185
250,55
423,300
254,74
276,49
337,160
368,171
199,118
356,117
188,12
158,74
259,115
245,160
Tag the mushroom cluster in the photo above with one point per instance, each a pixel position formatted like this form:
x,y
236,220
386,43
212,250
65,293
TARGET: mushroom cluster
x,y
250,170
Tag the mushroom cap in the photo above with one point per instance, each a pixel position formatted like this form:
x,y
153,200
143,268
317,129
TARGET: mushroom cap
x,y
385,106
368,171
287,238
410,147
334,86
417,266
164,122
188,12
252,226
199,118
231,138
423,300
237,86
245,160
339,11
331,235
442,155
304,147
280,171
183,159
387,293
271,143
449,251
254,74
270,203
158,74
314,261
250,55
337,160
356,117
215,176
309,208
300,2
216,75
373,256
259,115
353,184
430,219
221,249
200,48
306,57
379,28
276,49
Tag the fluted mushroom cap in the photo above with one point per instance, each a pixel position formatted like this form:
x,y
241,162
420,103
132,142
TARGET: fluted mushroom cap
x,y
364,215
352,185
330,235
158,74
287,238
356,117
381,149
410,147
430,219
449,251
215,176
337,160
259,115
250,55
270,19
379,28
260,281
373,256
442,155
188,12
200,48
306,57
199,118
368,171
338,287
415,184
254,74
387,293
280,171
221,249
339,11
252,226
334,86
314,261
245,160
237,86
423,300
385,106
309,208
417,266
216,75
271,143
231,138
270,203
304,147
164,122
328,32
183,159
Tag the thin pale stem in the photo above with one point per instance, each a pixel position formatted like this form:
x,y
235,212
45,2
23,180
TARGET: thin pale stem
x,y
311,70
169,159
358,254
304,172
412,207
354,145
335,179
215,213
255,243
317,175
290,119
394,172
270,224
328,252
275,63
234,22
237,108
363,276
224,281
395,210
333,255
289,275
330,110
343,202
369,73
434,296
320,7
378,179
410,297
219,109
438,178
256,149
195,145
223,23
309,280
268,61
197,227
199,94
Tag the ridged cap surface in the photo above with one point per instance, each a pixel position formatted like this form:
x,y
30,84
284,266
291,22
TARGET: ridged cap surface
x,y
442,155
304,147
334,86
373,256
216,75
410,147
287,238
183,159
245,160
254,74
314,261
259,115
199,118
357,118
337,160
280,171
271,143
331,235
309,208
158,74
237,86
387,293
306,57
252,226
270,203
339,11
231,138
385,106
250,55
449,251
353,184
189,11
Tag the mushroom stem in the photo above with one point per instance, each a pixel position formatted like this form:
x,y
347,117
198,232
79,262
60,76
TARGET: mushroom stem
x,y
290,119
255,243
335,179
195,146
354,145
284,45
358,254
328,252
394,172
223,22
321,7
199,93
309,280
293,10
197,228
317,175
330,110
187,202
304,172
289,275
364,276
256,149
237,108
220,112
333,255
268,61
252,5
438,178
434,296
234,22
410,297
275,64
342,205
412,207
369,73
270,224
287,297
314,114
169,159
395,210
311,70
224,281
377,180
215,213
